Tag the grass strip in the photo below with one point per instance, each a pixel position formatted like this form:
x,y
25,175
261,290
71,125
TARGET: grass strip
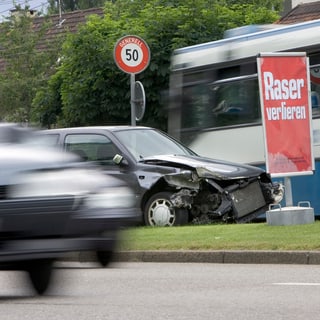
x,y
251,236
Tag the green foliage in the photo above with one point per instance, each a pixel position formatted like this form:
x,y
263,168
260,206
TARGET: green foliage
x,y
49,103
94,91
275,5
26,67
91,89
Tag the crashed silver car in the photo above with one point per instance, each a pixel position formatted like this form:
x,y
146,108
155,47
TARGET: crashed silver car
x,y
51,204
174,185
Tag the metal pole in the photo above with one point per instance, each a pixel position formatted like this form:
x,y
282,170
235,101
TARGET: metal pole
x,y
133,98
288,191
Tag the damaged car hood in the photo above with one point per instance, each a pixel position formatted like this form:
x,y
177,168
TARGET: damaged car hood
x,y
205,167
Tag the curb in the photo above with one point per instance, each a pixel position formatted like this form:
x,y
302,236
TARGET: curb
x,y
244,257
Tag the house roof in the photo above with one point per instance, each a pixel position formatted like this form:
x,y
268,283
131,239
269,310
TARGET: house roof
x,y
302,12
70,20
67,22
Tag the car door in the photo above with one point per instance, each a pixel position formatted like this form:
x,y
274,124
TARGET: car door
x,y
94,147
100,149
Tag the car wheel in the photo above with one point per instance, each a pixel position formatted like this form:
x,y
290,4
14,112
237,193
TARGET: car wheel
x,y
160,212
104,257
40,274
105,252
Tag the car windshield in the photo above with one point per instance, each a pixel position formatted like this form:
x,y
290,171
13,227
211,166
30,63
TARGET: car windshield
x,y
143,143
12,133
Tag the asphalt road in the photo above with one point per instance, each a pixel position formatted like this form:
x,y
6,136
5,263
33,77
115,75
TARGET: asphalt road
x,y
157,291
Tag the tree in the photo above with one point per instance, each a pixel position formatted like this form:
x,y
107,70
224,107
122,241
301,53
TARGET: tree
x,y
26,68
94,91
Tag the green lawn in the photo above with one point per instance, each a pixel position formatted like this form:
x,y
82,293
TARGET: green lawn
x,y
252,236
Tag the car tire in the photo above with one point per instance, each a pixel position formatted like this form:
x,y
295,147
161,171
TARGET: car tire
x,y
105,252
105,257
40,274
160,212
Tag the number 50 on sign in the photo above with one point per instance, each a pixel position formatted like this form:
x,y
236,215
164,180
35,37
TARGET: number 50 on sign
x,y
132,54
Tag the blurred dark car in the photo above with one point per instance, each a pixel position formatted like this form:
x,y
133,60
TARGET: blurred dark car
x,y
50,204
174,185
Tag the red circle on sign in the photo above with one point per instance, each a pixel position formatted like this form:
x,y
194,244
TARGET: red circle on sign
x,y
132,54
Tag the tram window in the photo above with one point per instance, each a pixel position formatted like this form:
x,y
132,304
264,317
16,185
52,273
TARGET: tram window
x,y
196,100
236,102
227,104
314,62
196,107
315,89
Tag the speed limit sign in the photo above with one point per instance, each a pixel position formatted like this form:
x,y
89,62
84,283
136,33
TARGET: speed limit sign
x,y
132,54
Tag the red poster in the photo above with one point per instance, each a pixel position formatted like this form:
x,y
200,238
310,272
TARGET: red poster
x,y
286,113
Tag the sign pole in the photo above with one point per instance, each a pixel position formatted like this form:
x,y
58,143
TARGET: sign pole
x,y
133,99
288,191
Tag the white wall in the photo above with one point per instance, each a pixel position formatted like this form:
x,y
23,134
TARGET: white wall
x,y
288,5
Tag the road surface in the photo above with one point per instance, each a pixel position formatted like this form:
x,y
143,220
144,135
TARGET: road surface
x,y
157,291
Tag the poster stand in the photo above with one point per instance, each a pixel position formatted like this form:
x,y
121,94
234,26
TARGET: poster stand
x,y
284,83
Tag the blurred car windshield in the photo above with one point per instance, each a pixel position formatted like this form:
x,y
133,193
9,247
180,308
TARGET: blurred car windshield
x,y
143,143
12,133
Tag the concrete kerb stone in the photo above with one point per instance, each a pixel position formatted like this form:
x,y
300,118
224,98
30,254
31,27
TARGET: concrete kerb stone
x,y
314,257
275,257
272,257
229,256
171,256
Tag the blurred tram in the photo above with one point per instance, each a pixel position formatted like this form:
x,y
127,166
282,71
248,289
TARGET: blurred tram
x,y
214,96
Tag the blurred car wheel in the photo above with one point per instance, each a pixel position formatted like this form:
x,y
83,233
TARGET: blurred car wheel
x,y
104,257
160,212
40,274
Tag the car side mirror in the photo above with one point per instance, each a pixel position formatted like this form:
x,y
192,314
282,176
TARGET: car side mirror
x,y
119,159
